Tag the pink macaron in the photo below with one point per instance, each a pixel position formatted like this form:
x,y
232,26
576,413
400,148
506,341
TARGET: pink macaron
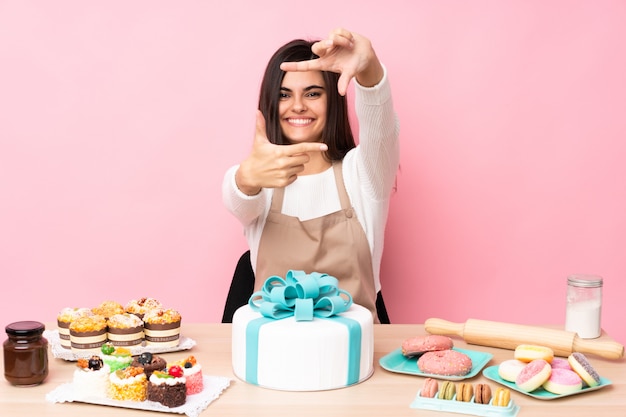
x,y
533,375
430,388
563,381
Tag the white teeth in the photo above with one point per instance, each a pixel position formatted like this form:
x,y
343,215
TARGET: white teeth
x,y
300,121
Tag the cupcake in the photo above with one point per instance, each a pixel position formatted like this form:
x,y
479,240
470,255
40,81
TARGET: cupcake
x,y
108,309
116,357
129,384
141,306
193,373
88,333
125,330
149,363
162,327
91,378
168,387
65,318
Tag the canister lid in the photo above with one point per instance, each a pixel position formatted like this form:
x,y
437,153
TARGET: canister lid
x,y
25,328
583,280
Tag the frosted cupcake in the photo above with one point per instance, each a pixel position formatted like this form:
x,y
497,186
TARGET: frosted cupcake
x,y
91,378
168,387
125,330
88,334
128,384
108,309
141,306
193,373
65,318
162,327
116,357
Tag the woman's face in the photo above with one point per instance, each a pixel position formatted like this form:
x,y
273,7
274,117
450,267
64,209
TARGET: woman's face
x,y
302,106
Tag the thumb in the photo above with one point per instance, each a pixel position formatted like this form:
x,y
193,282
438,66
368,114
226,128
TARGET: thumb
x,y
261,129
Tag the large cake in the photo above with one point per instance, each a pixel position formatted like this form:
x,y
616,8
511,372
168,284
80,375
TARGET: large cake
x,y
302,333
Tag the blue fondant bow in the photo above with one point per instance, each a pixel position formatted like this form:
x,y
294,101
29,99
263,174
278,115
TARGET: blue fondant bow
x,y
300,295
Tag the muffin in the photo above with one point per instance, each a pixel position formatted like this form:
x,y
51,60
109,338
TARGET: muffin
x,y
162,327
108,309
168,387
88,333
65,318
141,306
149,363
125,330
129,384
116,357
91,378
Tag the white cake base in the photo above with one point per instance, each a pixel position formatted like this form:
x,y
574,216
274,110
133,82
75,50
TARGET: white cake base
x,y
303,355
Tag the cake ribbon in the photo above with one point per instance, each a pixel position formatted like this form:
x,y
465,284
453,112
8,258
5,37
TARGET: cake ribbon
x,y
300,295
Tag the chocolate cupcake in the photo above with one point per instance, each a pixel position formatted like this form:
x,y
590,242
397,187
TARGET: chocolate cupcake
x,y
149,363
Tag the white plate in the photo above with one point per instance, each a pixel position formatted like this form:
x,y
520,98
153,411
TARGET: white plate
x,y
195,404
60,352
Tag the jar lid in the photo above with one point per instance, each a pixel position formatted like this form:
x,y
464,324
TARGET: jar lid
x,y
25,328
588,281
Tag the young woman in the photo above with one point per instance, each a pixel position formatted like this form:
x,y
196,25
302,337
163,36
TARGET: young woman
x,y
308,197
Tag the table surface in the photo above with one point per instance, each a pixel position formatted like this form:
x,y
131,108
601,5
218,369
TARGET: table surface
x,y
384,394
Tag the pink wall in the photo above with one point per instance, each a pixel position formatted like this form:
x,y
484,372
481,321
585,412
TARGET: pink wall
x,y
118,119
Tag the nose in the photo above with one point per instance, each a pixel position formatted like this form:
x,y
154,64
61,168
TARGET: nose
x,y
299,105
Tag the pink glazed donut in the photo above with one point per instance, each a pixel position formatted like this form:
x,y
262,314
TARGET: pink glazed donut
x,y
415,346
563,381
445,362
533,375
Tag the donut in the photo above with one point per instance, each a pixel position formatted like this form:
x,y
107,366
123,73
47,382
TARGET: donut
x,y
560,363
430,388
482,395
464,392
533,375
528,353
563,381
583,368
501,397
447,391
445,362
510,369
415,346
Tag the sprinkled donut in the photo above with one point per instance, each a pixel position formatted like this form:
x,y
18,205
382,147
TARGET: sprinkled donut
x,y
445,362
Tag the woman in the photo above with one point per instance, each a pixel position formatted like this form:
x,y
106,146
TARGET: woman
x,y
309,198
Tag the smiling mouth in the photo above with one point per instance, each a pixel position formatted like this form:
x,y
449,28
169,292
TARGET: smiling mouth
x,y
300,121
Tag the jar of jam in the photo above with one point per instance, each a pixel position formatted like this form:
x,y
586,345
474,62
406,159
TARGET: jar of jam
x,y
25,353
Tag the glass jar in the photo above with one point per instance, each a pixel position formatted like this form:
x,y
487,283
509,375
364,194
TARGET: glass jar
x,y
25,353
584,305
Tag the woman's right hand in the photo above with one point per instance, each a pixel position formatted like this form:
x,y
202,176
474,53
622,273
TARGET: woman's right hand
x,y
270,165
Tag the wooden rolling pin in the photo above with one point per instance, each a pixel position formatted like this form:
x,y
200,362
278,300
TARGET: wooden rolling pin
x,y
509,336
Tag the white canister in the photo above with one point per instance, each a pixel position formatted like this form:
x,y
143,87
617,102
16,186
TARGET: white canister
x,y
584,305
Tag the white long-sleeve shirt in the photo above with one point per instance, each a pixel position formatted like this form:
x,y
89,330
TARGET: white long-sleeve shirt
x,y
369,172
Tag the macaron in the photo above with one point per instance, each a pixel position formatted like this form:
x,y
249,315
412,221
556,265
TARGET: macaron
x,y
510,369
583,368
430,388
501,397
528,353
482,394
533,375
563,381
464,392
447,391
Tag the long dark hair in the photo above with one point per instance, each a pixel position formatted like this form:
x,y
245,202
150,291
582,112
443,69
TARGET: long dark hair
x,y
337,133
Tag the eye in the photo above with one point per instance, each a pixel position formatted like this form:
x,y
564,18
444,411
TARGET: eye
x,y
314,94
283,96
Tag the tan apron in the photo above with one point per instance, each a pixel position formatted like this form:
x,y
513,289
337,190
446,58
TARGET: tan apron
x,y
334,244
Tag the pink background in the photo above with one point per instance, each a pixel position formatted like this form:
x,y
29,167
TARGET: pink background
x,y
118,120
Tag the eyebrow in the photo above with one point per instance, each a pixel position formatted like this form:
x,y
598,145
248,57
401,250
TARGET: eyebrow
x,y
309,88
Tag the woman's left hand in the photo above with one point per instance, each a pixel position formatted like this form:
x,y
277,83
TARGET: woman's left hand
x,y
344,52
